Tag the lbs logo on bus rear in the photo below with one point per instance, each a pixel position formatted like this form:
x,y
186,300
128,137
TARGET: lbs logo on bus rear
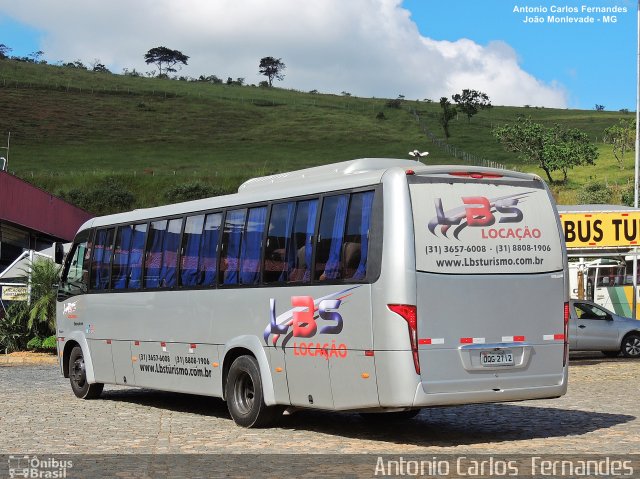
x,y
479,211
304,320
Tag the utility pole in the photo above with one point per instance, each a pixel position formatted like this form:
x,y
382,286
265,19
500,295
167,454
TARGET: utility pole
x,y
637,166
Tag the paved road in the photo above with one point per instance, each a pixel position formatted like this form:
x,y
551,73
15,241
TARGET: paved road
x,y
39,414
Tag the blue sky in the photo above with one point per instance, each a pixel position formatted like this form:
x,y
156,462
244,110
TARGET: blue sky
x,y
419,43
596,62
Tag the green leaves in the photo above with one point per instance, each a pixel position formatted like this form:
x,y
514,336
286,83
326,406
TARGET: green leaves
x,y
42,313
165,56
471,102
552,149
272,68
107,196
448,113
622,137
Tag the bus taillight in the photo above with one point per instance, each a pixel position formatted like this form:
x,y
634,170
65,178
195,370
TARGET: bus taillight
x,y
566,334
410,314
475,175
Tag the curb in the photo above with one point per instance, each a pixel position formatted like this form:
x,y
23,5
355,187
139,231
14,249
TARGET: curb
x,y
11,360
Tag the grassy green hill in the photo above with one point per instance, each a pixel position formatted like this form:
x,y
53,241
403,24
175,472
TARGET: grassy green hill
x,y
71,128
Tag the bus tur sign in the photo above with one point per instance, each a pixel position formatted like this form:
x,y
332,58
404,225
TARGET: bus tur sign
x,y
601,229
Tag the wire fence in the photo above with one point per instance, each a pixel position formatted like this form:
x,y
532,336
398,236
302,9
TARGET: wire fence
x,y
194,174
454,151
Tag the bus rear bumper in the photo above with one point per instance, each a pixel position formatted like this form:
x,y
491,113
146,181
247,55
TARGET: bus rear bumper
x,y
423,399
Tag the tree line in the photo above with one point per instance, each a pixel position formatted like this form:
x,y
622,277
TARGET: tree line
x,y
166,60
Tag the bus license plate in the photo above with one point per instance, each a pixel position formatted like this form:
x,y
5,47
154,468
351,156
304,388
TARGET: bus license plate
x,y
496,358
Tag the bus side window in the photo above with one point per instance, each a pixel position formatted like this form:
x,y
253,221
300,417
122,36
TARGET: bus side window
x,y
191,241
330,236
170,247
208,263
231,240
101,264
251,247
134,268
162,253
153,254
300,251
355,248
121,256
276,261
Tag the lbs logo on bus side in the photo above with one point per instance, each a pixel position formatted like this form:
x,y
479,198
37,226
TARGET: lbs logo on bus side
x,y
479,211
304,320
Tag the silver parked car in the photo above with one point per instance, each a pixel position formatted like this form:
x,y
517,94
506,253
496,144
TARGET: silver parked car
x,y
594,328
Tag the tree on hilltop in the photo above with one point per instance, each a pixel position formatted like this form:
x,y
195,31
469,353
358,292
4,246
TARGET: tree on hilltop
x,y
471,102
166,58
4,51
272,68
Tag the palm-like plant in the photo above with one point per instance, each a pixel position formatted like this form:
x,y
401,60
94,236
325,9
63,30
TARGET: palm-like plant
x,y
13,328
42,312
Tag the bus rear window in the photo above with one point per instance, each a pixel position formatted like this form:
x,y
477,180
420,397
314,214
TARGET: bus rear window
x,y
485,228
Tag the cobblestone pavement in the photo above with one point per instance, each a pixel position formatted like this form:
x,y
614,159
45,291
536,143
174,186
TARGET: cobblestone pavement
x,y
40,414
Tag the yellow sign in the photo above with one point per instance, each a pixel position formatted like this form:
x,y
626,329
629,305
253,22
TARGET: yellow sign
x,y
14,293
601,230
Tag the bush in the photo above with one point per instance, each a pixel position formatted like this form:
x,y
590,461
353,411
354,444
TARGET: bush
x,y
47,344
627,195
107,196
380,116
34,344
50,343
397,103
595,192
13,328
191,191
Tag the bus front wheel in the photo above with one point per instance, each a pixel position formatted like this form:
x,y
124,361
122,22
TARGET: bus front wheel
x,y
78,377
244,395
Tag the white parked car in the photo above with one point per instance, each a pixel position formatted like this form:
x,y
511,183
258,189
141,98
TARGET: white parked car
x,y
594,328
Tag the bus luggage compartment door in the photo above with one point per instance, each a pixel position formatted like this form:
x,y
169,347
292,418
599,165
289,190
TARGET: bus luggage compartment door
x,y
490,332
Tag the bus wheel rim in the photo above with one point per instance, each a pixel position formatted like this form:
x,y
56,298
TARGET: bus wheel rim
x,y
79,372
244,393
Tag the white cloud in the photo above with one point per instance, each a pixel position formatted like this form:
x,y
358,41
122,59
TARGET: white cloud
x,y
365,47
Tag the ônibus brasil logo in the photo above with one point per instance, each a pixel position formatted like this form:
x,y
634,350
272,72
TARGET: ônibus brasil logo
x,y
477,211
301,321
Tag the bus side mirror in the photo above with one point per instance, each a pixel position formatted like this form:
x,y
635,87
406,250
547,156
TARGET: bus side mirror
x,y
58,252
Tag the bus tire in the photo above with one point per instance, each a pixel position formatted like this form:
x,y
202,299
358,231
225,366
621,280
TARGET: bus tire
x,y
245,398
78,377
631,346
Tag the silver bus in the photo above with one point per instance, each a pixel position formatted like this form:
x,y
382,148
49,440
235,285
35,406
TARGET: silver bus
x,y
373,285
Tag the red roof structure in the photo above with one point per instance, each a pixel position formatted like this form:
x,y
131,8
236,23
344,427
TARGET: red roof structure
x,y
26,205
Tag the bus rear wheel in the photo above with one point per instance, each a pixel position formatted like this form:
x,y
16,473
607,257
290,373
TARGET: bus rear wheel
x,y
78,377
244,395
